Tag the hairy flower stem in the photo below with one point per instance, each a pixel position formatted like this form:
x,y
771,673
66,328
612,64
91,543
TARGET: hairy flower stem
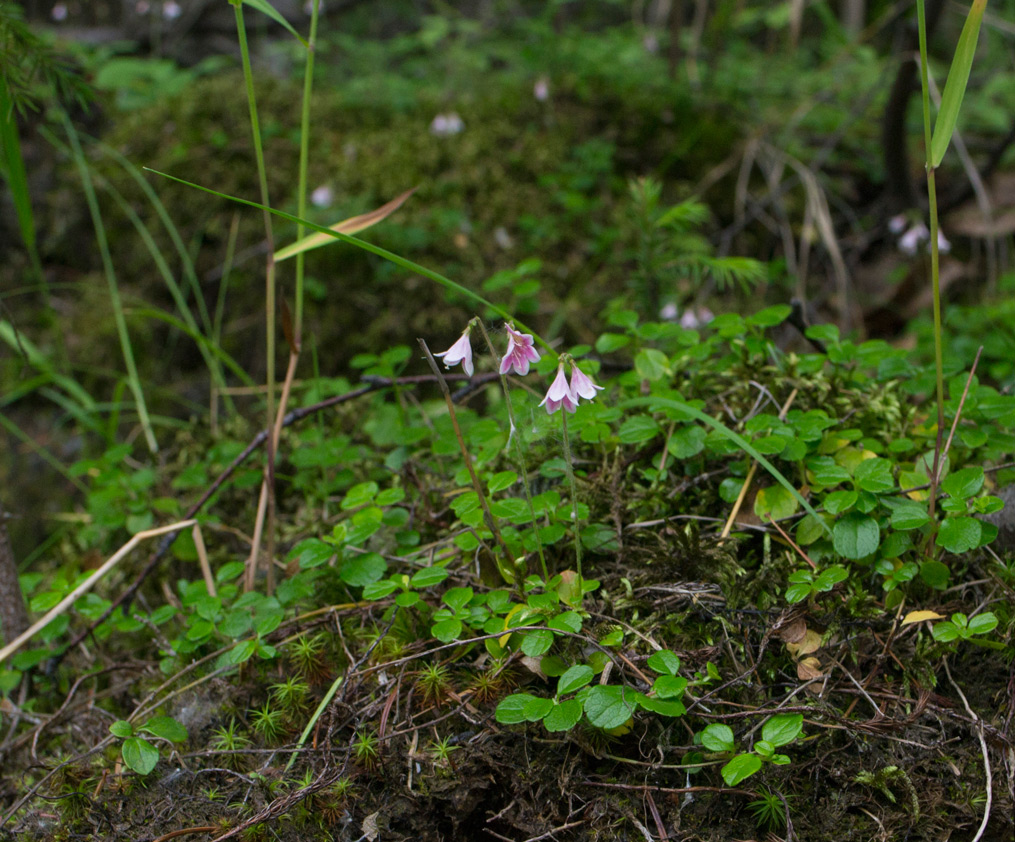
x,y
516,435
574,504
507,569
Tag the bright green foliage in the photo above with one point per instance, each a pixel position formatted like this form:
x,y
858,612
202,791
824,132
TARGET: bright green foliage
x,y
380,517
961,627
137,752
268,722
768,810
781,729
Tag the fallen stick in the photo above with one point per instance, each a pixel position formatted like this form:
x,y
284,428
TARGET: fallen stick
x,y
86,585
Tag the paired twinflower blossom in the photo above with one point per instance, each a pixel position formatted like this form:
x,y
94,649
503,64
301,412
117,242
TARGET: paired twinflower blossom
x,y
566,395
520,354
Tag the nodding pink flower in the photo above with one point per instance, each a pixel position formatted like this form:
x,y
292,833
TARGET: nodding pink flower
x,y
582,385
520,352
460,352
559,394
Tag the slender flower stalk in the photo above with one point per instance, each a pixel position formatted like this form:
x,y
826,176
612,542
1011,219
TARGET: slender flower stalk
x,y
569,469
562,394
515,432
506,568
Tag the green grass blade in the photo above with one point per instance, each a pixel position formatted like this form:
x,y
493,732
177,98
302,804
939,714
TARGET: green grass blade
x,y
321,708
409,265
21,344
192,329
85,420
206,346
174,234
301,189
955,85
114,291
42,452
12,165
738,440
266,7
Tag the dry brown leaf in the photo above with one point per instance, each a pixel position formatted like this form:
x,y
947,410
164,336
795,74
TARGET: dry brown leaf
x,y
792,632
920,616
533,665
811,642
349,226
370,828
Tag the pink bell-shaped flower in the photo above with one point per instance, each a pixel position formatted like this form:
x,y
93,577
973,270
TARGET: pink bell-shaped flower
x,y
460,352
520,352
559,394
582,385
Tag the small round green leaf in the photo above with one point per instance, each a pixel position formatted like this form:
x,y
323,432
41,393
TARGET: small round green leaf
x,y
121,728
775,501
983,623
511,710
855,535
563,716
782,728
740,767
669,686
651,364
447,630
608,706
536,643
935,574
664,662
963,484
165,727
428,577
717,737
139,755
574,679
363,569
567,621
379,590
959,534
874,475
840,501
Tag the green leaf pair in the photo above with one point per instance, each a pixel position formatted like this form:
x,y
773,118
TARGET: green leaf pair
x,y
139,754
780,730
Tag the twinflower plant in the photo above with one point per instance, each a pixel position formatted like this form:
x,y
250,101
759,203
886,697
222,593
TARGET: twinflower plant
x,y
562,394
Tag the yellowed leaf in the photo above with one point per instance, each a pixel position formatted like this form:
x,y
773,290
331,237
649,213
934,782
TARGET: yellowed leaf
x,y
810,642
920,616
568,589
809,668
350,226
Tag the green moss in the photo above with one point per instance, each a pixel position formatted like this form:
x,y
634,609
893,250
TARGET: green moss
x,y
551,175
